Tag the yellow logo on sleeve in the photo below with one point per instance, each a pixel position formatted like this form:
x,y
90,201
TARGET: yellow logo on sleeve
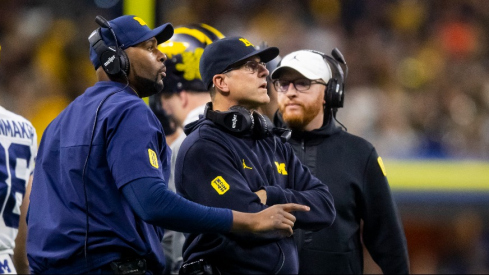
x,y
153,159
281,168
381,164
141,21
246,42
220,185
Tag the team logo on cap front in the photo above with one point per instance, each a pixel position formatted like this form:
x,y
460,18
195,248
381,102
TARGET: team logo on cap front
x,y
141,21
220,185
246,42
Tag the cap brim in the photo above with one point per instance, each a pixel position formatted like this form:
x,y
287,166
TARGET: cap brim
x,y
161,33
265,55
303,71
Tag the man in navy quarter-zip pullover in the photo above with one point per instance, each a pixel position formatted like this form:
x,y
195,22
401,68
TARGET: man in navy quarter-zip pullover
x,y
232,159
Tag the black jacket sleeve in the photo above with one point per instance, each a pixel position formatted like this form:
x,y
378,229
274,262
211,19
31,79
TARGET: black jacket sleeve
x,y
383,233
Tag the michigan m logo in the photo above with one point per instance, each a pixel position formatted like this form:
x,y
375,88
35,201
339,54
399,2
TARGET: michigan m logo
x,y
281,168
141,21
246,42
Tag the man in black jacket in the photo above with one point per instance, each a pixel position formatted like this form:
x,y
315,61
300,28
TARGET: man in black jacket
x,y
310,89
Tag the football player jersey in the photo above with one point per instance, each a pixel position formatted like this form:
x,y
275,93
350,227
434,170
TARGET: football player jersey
x,y
18,149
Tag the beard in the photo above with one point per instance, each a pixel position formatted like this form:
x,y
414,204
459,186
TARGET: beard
x,y
147,87
298,120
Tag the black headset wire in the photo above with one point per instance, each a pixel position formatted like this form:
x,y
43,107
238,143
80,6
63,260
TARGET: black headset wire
x,y
334,116
85,249
104,23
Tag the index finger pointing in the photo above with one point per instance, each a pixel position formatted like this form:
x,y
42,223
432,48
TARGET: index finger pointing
x,y
289,207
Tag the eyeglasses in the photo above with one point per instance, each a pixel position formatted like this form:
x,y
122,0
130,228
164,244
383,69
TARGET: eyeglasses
x,y
251,66
300,85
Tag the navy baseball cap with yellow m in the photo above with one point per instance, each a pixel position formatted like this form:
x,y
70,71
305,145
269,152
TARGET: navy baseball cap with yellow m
x,y
130,30
224,53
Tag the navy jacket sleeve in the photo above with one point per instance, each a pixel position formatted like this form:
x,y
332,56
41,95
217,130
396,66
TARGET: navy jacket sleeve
x,y
156,204
383,234
304,188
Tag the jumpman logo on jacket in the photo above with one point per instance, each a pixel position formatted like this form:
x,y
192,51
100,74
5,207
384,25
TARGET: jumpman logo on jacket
x,y
245,166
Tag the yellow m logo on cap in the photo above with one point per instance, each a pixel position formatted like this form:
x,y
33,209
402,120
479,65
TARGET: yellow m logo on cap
x,y
246,42
141,21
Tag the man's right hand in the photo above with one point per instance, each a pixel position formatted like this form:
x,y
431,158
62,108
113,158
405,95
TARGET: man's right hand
x,y
275,219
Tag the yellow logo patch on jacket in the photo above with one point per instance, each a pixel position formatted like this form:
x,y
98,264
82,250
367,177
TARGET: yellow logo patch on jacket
x,y
153,159
281,168
220,185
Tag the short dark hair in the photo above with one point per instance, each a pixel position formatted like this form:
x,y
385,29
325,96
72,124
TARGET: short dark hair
x,y
212,92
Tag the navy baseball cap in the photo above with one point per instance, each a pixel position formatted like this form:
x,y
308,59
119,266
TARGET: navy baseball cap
x,y
224,53
130,30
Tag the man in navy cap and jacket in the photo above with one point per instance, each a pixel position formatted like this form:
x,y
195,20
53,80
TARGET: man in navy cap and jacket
x,y
99,196
232,158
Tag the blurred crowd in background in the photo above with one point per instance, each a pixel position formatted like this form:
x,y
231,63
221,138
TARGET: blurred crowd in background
x,y
417,85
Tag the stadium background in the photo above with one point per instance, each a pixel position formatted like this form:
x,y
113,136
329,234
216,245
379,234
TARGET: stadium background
x,y
417,89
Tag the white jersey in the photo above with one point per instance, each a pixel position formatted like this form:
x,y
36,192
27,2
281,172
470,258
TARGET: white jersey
x,y
18,150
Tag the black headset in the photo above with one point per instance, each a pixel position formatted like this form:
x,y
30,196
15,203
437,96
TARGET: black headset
x,y
239,121
113,60
334,94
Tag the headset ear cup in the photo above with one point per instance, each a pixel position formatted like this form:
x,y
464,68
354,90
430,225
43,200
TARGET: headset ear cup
x,y
328,94
236,120
243,118
115,63
124,62
110,62
261,126
338,96
334,94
